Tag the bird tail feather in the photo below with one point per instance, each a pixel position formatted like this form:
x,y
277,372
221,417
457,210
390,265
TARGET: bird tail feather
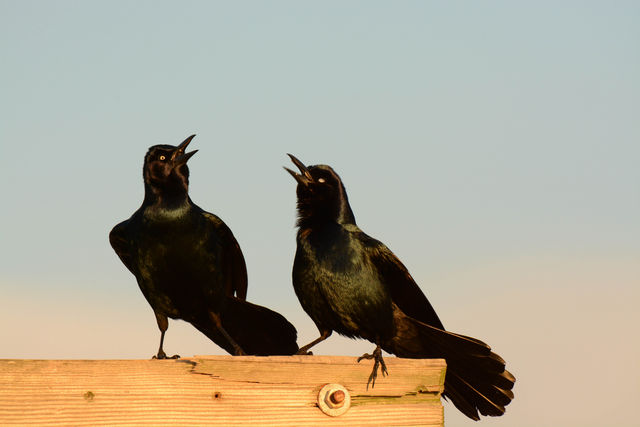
x,y
476,379
257,330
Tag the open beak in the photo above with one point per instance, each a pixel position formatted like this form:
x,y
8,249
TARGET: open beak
x,y
179,156
304,177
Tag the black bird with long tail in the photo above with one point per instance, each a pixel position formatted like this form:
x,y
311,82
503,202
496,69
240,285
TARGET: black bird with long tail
x,y
353,284
189,265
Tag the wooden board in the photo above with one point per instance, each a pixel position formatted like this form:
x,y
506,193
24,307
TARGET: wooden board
x,y
217,390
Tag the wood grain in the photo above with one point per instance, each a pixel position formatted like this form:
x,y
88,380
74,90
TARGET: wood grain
x,y
217,390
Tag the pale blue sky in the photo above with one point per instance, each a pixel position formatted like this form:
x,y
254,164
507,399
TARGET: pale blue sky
x,y
493,146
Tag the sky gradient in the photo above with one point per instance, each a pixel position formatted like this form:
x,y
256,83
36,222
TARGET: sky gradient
x,y
493,147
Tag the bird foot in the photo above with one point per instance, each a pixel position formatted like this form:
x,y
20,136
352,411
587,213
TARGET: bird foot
x,y
161,355
304,351
379,362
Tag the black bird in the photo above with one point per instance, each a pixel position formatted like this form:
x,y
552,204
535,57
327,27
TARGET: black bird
x,y
353,284
189,265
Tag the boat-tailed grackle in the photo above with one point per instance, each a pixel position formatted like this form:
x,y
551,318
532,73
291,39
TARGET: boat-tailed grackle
x,y
189,265
353,284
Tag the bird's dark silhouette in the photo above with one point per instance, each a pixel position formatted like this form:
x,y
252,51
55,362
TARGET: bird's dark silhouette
x,y
189,265
352,284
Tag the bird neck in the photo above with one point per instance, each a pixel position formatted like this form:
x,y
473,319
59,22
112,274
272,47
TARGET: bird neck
x,y
317,215
169,198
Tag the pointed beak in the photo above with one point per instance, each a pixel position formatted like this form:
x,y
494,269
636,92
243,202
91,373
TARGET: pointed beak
x,y
184,143
179,156
304,177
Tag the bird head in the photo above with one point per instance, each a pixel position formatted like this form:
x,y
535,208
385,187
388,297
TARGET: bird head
x,y
165,166
321,194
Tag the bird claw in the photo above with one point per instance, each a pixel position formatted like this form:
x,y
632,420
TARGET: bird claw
x,y
162,355
379,362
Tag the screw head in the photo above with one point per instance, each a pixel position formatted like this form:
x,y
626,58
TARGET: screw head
x,y
337,398
334,400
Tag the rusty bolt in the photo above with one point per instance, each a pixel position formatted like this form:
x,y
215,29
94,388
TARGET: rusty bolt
x,y
336,398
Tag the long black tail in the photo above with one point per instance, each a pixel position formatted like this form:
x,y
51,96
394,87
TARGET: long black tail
x,y
476,379
256,329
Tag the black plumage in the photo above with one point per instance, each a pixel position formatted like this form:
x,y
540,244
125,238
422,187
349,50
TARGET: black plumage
x,y
354,285
189,265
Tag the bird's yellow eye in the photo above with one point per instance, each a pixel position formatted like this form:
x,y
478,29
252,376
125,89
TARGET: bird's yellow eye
x,y
321,180
162,157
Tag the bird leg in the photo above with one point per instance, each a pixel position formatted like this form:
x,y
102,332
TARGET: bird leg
x,y
377,356
323,336
163,325
238,351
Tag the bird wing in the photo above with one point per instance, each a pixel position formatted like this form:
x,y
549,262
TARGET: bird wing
x,y
121,243
405,292
232,259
